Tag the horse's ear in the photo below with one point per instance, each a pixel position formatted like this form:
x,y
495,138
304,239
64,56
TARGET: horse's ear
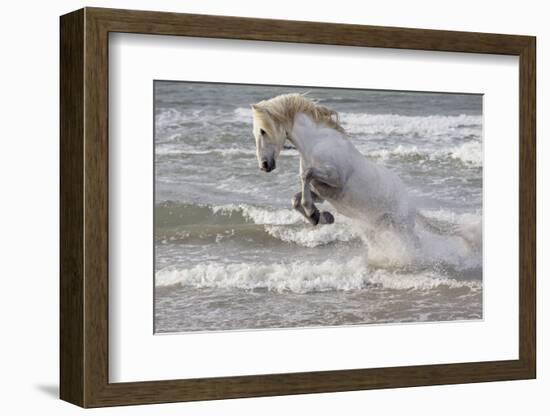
x,y
261,109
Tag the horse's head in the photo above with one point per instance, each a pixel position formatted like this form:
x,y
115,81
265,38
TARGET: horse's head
x,y
270,137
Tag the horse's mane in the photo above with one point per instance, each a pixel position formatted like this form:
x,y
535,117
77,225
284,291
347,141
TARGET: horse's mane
x,y
284,108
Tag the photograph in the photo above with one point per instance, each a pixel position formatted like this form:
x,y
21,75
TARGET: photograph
x,y
284,207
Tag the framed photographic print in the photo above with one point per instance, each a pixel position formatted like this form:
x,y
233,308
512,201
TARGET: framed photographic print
x,y
255,207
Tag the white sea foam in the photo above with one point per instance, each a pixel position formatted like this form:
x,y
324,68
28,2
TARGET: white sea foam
x,y
450,238
453,217
243,114
390,248
167,118
459,247
307,236
468,226
435,128
419,281
392,124
470,153
289,226
303,277
171,118
260,215
182,149
433,125
380,263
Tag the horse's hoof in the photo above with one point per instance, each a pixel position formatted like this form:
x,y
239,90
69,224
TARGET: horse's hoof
x,y
326,218
315,217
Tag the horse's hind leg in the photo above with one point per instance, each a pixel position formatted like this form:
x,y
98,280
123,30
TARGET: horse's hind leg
x,y
318,217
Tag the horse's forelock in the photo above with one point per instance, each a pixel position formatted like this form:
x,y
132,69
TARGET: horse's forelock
x,y
263,116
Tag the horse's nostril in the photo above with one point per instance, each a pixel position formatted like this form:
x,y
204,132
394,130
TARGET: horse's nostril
x,y
265,165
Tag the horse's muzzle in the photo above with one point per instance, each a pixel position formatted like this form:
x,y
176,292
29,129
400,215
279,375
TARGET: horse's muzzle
x,y
268,165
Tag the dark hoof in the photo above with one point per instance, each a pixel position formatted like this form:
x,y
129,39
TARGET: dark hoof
x,y
314,218
326,218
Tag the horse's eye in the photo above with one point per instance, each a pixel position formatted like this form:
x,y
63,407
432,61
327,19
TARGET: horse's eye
x,y
262,132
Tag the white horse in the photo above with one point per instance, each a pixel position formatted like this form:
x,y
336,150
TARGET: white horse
x,y
331,167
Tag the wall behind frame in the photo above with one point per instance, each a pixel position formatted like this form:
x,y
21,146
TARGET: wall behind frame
x,y
29,160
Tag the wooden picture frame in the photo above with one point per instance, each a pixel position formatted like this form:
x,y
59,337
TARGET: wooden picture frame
x,y
84,207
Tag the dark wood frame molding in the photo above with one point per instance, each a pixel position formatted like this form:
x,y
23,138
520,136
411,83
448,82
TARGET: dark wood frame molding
x,y
84,218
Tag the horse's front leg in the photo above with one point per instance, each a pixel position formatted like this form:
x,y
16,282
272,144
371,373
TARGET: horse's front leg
x,y
323,217
326,177
307,198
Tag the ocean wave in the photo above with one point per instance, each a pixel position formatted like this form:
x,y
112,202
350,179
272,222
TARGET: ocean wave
x,y
468,226
457,250
307,236
172,119
469,153
170,212
393,124
388,124
453,217
305,277
439,137
243,114
450,238
183,150
258,215
420,281
205,234
168,117
188,221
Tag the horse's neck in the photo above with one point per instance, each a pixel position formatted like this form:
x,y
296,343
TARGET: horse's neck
x,y
306,134
302,135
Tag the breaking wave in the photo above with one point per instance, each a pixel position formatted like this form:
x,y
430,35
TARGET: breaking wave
x,y
392,124
469,153
380,260
434,133
305,277
388,124
289,226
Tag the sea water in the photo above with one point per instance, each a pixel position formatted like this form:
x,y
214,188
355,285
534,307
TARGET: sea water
x,y
230,253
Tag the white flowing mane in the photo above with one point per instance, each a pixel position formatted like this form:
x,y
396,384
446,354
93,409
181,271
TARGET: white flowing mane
x,y
283,108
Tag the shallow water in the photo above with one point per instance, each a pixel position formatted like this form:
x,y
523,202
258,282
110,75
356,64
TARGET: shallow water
x,y
231,254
